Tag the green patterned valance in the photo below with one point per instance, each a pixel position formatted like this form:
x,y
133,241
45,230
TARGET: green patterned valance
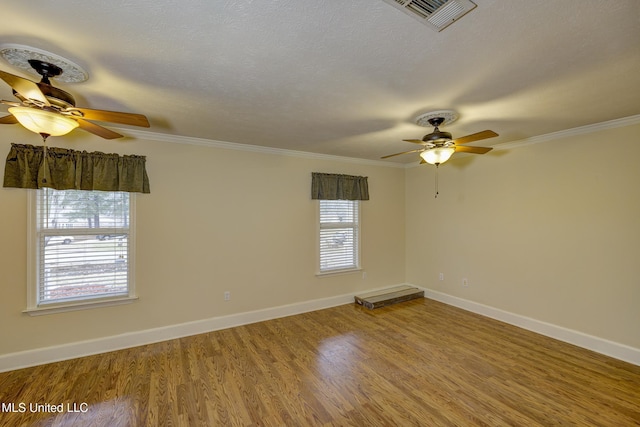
x,y
31,166
328,186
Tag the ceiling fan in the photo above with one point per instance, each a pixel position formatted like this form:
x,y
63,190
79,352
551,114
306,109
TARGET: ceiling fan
x,y
47,110
438,146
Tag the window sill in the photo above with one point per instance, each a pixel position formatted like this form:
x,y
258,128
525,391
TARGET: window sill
x,y
81,305
338,272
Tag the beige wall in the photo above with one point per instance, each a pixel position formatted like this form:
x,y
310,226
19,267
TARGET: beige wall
x,y
550,231
216,220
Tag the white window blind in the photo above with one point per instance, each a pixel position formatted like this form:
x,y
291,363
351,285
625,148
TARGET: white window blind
x,y
339,239
82,245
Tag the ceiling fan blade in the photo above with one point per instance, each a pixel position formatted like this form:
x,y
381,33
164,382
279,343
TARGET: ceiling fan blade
x,y
475,137
415,141
404,152
26,88
474,150
113,117
98,130
8,120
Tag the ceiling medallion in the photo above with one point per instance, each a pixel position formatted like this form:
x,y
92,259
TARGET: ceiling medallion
x,y
19,56
449,117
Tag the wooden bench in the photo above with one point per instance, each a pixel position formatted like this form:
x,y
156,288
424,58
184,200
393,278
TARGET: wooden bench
x,y
389,296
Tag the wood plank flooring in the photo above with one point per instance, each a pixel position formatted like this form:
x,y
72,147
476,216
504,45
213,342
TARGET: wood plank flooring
x,y
419,363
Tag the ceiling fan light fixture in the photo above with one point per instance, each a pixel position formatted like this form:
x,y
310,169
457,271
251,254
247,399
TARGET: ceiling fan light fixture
x,y
43,121
437,155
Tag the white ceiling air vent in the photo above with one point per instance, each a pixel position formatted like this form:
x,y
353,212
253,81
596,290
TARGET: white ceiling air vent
x,y
436,14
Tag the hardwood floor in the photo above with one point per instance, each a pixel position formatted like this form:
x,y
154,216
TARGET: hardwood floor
x,y
418,363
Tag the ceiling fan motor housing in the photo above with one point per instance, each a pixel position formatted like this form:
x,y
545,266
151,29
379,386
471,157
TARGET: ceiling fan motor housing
x,y
437,136
57,97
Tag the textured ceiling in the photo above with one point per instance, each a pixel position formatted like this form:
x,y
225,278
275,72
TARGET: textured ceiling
x,y
340,77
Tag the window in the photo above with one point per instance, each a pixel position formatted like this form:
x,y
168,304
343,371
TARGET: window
x,y
80,248
339,235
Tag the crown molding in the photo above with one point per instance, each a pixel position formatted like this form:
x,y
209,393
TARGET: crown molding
x,y
177,139
611,124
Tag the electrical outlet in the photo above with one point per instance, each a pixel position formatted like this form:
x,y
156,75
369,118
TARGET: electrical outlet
x,y
441,277
227,296
465,282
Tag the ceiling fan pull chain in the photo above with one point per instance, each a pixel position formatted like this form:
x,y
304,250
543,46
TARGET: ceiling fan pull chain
x,y
437,164
45,164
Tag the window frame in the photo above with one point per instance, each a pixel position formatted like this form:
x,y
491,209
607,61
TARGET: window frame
x,y
34,306
357,227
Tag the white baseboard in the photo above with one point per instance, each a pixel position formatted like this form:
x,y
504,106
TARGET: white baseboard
x,y
24,359
599,345
40,356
